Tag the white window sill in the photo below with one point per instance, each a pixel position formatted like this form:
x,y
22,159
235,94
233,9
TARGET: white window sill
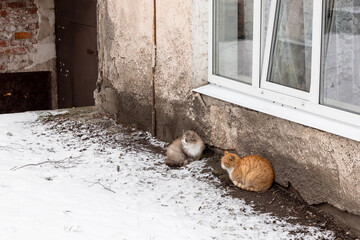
x,y
282,111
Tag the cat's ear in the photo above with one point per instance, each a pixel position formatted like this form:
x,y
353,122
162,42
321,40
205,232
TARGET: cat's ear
x,y
226,153
231,158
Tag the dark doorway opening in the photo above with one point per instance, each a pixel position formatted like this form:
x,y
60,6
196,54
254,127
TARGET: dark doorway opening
x,y
76,46
28,91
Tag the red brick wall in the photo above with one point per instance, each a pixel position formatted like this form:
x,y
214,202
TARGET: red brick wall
x,y
19,25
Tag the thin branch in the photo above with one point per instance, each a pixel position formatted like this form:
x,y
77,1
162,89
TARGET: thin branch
x,y
31,164
98,182
58,163
272,201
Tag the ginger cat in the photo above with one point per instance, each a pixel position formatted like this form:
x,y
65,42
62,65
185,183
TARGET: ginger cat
x,y
184,150
252,173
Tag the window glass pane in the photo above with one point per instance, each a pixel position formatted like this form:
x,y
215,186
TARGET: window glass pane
x,y
233,39
290,63
340,82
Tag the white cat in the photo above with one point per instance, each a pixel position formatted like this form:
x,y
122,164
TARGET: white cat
x,y
184,150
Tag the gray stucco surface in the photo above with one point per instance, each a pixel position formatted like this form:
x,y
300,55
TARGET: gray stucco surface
x,y
322,167
125,60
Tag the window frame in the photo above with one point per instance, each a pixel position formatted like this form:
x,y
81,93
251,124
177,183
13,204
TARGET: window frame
x,y
313,93
280,103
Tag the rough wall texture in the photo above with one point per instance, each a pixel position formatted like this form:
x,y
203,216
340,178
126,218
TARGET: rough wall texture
x,y
321,166
27,38
125,60
324,168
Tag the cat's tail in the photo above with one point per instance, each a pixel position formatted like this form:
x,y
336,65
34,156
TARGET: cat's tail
x,y
248,188
171,163
175,164
187,161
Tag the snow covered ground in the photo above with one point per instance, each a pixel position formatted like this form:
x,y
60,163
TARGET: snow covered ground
x,y
72,179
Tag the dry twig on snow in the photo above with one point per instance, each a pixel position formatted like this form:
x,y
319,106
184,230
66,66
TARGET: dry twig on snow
x,y
64,163
98,182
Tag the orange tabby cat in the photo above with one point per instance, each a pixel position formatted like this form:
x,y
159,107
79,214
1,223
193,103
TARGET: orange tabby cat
x,y
252,173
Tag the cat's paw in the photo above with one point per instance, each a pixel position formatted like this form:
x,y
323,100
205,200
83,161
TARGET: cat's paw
x,y
235,183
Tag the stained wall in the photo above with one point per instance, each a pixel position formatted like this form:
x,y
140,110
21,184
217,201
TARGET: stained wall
x,y
322,167
125,60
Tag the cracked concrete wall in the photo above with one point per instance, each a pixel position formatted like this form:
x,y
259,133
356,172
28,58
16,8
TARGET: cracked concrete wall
x,y
28,39
322,167
125,60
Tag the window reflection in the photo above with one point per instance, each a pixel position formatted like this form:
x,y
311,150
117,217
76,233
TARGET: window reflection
x,y
290,63
233,43
341,55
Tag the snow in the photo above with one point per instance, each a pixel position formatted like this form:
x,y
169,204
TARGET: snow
x,y
56,183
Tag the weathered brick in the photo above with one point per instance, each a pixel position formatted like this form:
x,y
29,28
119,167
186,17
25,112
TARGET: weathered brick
x,y
32,26
22,35
3,44
16,51
33,41
15,43
0,6
31,3
3,13
31,10
5,36
16,12
10,28
16,4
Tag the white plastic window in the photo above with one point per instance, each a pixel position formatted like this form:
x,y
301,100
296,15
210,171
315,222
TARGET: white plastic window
x,y
295,59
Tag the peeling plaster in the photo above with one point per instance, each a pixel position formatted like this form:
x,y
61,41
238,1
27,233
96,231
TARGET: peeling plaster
x,y
45,52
